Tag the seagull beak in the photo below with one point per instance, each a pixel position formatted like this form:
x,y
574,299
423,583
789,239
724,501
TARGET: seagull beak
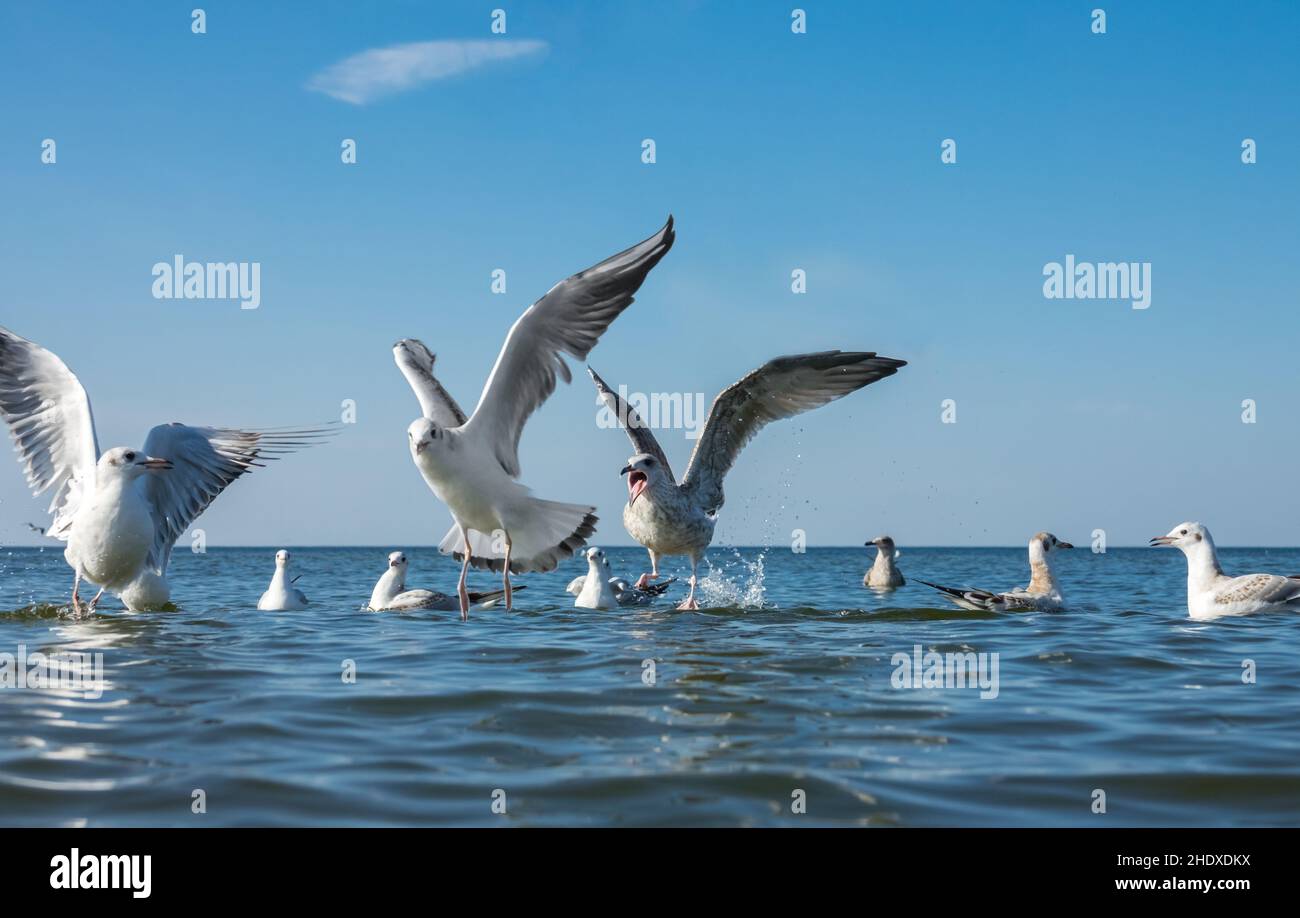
x,y
1064,545
1159,541
636,484
625,470
156,465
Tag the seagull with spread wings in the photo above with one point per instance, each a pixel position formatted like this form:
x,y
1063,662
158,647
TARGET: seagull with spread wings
x,y
120,511
472,464
678,519
1211,593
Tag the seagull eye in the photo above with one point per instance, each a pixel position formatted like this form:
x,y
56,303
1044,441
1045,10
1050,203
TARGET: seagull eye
x,y
1184,532
129,457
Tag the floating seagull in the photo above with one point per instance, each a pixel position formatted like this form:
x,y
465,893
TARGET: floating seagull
x,y
883,574
1042,595
672,519
473,465
120,512
281,595
1212,593
391,594
623,593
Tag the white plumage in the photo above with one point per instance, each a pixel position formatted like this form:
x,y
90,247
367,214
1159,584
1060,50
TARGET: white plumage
x,y
1211,593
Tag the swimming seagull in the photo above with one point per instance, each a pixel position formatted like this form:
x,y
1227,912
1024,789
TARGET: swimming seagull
x,y
883,574
678,519
472,465
1042,595
391,594
619,590
1212,593
282,595
120,512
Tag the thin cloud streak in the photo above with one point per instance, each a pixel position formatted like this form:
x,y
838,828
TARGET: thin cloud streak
x,y
380,72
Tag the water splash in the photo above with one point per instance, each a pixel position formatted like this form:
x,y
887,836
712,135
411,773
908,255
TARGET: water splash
x,y
735,583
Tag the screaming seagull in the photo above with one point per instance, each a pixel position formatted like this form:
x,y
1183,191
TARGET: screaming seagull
x,y
1212,593
472,465
120,512
1042,595
678,519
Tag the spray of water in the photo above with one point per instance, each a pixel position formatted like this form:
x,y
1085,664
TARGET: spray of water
x,y
735,583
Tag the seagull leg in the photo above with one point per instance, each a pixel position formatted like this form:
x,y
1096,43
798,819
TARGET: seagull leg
x,y
461,592
94,602
645,579
689,604
76,600
505,575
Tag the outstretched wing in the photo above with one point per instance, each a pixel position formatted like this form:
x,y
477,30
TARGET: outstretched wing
x,y
416,363
643,441
205,460
53,430
781,388
569,320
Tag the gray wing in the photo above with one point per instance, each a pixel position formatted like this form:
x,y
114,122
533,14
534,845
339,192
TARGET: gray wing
x,y
781,388
53,430
643,441
205,460
1272,588
416,363
569,320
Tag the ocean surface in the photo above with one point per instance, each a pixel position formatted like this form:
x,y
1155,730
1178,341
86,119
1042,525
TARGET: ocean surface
x,y
779,707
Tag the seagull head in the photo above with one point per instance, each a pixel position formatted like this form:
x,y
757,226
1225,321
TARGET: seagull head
x,y
398,560
130,463
884,543
282,558
1044,543
597,556
1183,536
642,470
424,438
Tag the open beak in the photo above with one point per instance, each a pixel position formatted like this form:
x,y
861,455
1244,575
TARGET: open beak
x,y
636,483
156,465
1160,541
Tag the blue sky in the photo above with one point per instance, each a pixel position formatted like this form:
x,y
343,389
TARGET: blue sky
x,y
775,151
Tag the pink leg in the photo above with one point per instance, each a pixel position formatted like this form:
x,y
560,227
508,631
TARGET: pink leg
x,y
76,600
461,591
653,575
689,604
94,602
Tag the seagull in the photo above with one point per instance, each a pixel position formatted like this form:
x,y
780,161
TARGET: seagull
x,y
472,465
121,511
678,519
281,595
883,574
391,594
622,592
1042,595
1212,593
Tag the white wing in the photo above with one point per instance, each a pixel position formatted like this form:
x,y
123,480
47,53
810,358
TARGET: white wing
x,y
781,388
569,320
205,460
416,363
53,431
1270,588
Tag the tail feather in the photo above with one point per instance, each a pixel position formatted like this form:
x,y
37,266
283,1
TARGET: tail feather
x,y
490,595
547,531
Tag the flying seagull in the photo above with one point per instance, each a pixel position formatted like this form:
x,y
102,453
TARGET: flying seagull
x,y
678,519
391,594
1042,595
120,512
884,575
282,595
1212,593
472,465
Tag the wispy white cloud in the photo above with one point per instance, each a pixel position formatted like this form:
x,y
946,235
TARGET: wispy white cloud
x,y
380,72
